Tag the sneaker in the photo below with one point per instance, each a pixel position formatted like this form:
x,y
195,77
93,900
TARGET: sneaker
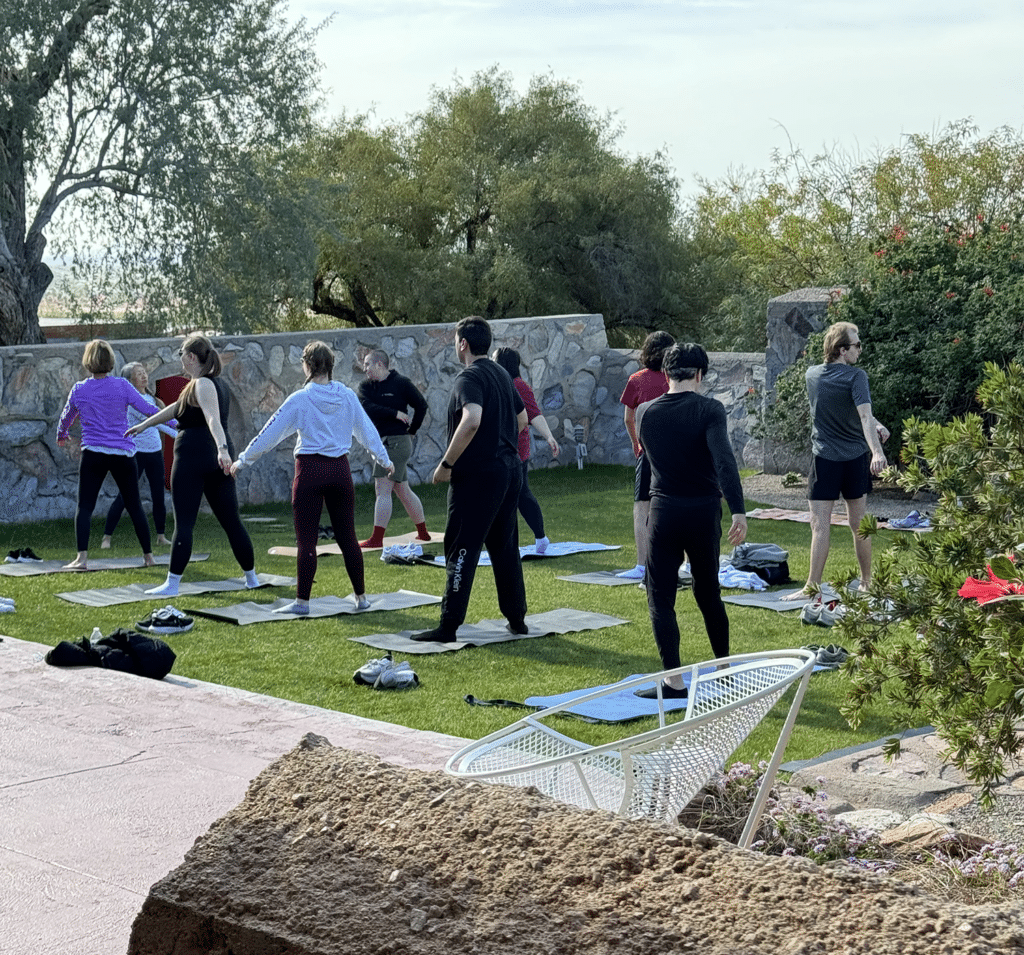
x,y
397,676
367,674
913,519
832,657
166,620
811,613
28,556
13,557
667,693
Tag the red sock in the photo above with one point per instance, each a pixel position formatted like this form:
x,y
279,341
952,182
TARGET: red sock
x,y
421,532
376,539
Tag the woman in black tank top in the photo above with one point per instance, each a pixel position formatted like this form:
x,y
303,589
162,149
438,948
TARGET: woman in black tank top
x,y
202,462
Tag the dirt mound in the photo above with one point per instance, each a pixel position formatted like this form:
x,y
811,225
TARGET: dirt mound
x,y
334,852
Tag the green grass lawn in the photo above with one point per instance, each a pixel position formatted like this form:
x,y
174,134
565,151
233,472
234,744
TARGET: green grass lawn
x,y
312,661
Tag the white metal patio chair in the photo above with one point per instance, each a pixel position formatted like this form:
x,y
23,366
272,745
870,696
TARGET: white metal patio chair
x,y
654,774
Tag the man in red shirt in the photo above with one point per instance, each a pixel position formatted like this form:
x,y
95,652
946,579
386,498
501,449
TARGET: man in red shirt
x,y
644,385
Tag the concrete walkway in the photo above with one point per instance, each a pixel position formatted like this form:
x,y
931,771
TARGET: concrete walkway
x,y
107,779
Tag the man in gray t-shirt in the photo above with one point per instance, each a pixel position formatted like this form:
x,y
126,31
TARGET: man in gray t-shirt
x,y
846,440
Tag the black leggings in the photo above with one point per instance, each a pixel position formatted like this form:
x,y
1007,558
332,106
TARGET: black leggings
x,y
150,463
94,467
679,530
319,481
529,506
196,474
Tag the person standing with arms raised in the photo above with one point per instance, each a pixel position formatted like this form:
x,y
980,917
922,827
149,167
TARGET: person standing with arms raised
x,y
387,396
481,467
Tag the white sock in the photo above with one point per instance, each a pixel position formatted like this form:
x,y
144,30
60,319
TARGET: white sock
x,y
167,589
637,573
296,606
251,580
541,544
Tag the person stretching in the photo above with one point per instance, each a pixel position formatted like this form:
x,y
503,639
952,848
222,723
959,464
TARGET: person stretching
x,y
202,463
326,414
529,506
387,396
149,460
102,402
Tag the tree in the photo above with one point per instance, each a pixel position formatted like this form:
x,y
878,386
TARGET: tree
x,y
925,651
501,204
124,117
816,220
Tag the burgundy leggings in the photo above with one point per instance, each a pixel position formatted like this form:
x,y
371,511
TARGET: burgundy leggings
x,y
320,481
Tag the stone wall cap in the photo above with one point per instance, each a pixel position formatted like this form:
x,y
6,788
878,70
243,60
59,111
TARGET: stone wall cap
x,y
813,293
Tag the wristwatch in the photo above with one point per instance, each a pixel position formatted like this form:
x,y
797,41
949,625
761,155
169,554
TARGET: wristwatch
x,y
446,465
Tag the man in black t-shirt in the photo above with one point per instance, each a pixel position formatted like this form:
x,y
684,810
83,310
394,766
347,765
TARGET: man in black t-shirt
x,y
481,462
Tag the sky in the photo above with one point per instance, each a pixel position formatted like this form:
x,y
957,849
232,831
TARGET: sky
x,y
713,84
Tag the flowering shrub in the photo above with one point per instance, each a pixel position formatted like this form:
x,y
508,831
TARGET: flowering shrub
x,y
996,865
793,825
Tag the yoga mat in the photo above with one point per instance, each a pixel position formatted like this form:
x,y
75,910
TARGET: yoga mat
x,y
768,600
784,514
331,606
608,578
95,563
617,707
555,549
133,593
561,621
332,548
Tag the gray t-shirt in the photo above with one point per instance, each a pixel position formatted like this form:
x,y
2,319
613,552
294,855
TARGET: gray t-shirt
x,y
834,391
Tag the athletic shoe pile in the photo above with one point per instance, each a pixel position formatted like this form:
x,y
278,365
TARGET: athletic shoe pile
x,y
401,554
831,657
23,556
166,620
822,612
385,674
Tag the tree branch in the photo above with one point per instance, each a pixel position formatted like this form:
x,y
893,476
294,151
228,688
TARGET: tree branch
x,y
62,45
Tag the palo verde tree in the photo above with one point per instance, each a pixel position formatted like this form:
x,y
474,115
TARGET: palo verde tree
x,y
122,117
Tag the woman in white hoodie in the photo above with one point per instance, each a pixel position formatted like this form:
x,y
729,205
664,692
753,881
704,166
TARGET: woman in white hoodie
x,y
326,414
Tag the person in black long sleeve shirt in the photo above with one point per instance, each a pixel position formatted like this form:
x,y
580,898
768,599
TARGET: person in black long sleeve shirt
x,y
686,439
387,396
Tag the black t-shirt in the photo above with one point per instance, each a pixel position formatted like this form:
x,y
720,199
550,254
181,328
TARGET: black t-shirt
x,y
495,444
381,399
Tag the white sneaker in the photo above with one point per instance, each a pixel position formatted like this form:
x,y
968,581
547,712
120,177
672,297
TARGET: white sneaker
x,y
397,676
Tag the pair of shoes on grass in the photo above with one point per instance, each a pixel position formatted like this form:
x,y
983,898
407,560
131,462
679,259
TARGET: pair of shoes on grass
x,y
822,613
385,674
166,620
831,657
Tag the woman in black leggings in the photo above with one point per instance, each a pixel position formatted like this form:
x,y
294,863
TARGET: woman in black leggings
x,y
202,462
149,460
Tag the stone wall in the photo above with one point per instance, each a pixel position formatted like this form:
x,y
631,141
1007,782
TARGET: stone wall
x,y
576,377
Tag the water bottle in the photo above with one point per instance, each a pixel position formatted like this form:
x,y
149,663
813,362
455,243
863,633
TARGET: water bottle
x,y
97,634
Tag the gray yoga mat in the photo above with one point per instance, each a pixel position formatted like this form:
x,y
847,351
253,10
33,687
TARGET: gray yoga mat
x,y
563,620
95,563
768,600
133,593
603,578
554,549
330,606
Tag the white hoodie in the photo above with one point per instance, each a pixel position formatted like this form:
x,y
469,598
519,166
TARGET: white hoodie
x,y
325,417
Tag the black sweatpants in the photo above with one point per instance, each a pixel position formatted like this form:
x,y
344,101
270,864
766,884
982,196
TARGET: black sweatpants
x,y
678,530
93,468
150,464
482,511
195,474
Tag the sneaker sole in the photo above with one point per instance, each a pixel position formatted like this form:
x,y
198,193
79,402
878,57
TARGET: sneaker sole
x,y
157,628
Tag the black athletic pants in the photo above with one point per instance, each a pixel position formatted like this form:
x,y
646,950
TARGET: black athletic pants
x,y
150,464
195,474
93,468
482,512
529,506
679,530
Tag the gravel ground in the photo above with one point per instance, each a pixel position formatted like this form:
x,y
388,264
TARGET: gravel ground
x,y
885,502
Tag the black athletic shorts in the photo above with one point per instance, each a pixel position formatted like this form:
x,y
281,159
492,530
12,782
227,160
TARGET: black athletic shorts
x,y
831,480
642,482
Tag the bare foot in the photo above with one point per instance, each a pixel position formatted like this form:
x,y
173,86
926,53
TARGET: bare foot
x,y
148,560
105,543
77,564
163,541
802,594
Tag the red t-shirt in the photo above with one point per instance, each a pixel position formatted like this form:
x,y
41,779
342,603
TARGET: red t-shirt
x,y
532,410
643,385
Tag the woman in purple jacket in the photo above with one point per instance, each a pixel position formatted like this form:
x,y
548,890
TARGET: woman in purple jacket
x,y
102,402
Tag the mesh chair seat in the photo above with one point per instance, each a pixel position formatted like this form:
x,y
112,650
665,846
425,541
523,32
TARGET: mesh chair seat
x,y
654,774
